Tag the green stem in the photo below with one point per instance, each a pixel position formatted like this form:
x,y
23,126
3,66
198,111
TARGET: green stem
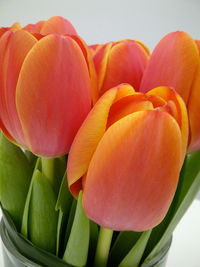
x,y
103,247
48,168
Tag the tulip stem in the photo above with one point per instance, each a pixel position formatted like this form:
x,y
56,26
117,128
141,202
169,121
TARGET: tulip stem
x,y
48,168
103,247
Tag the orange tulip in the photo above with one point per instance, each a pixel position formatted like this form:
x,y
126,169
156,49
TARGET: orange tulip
x,y
175,62
127,157
14,27
119,62
45,87
55,24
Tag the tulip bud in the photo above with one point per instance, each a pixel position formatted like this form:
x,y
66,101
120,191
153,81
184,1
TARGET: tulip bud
x,y
55,24
45,86
119,62
127,157
175,62
15,27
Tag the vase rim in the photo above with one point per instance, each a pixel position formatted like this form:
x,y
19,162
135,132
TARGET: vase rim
x,y
11,249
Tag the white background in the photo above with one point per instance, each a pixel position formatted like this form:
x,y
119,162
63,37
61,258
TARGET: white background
x,y
105,20
102,21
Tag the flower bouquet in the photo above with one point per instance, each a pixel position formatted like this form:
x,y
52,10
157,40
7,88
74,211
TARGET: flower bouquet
x,y
99,146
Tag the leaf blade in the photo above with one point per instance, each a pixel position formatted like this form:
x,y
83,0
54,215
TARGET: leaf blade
x,y
77,247
15,177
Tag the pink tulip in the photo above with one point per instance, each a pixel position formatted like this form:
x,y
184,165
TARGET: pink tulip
x,y
45,86
119,62
175,62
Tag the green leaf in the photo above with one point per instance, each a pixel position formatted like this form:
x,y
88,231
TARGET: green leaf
x,y
188,187
16,241
123,244
70,221
42,224
134,256
31,158
60,168
77,247
94,232
63,205
53,169
24,226
15,176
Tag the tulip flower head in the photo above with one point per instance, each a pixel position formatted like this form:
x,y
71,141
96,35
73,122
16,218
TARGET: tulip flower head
x,y
45,86
54,25
175,62
127,157
119,62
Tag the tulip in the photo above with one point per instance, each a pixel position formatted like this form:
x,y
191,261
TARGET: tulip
x,y
119,62
175,62
14,27
127,157
55,24
45,87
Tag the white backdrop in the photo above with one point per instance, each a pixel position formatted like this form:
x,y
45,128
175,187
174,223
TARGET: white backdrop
x,y
103,21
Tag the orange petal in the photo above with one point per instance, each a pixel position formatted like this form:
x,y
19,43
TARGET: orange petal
x,y
173,63
94,48
128,105
90,63
57,25
125,64
36,28
13,49
87,139
3,30
194,110
100,61
16,27
146,49
134,172
6,133
123,91
156,100
179,111
53,95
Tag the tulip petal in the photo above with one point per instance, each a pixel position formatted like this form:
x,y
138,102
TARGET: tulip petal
x,y
13,49
146,49
5,131
176,107
156,100
57,25
53,95
194,110
134,172
89,135
94,48
16,27
87,139
126,63
36,28
90,63
123,91
128,105
3,30
172,63
100,61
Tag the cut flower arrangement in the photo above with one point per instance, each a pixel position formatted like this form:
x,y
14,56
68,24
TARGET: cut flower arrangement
x,y
99,146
